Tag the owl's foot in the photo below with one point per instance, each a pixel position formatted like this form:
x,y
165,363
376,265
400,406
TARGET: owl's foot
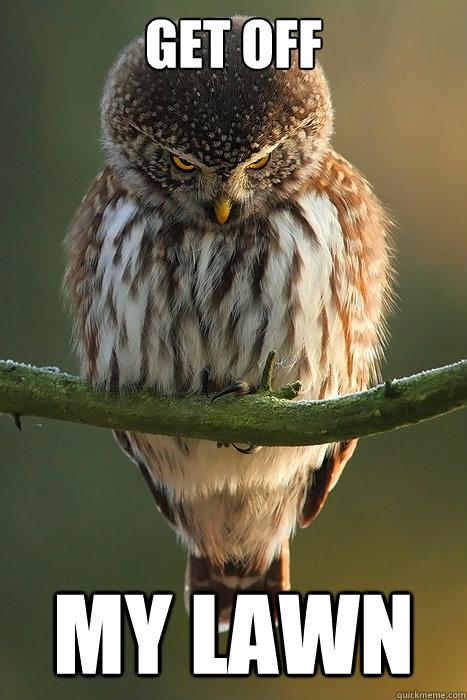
x,y
240,388
205,380
251,449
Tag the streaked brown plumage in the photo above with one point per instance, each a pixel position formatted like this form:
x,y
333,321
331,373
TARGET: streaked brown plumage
x,y
161,289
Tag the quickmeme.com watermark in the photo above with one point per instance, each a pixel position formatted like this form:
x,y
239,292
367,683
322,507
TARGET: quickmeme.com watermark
x,y
416,694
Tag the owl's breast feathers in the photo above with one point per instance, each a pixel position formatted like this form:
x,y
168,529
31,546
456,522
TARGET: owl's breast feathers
x,y
155,301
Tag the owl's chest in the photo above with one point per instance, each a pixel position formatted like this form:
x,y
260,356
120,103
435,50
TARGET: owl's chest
x,y
169,308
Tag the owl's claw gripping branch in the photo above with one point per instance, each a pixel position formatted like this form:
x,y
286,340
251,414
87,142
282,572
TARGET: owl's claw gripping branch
x,y
250,450
240,388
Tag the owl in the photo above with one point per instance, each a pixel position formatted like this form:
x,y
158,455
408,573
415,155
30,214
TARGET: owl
x,y
224,226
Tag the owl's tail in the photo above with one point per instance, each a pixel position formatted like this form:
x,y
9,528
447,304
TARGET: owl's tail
x,y
202,575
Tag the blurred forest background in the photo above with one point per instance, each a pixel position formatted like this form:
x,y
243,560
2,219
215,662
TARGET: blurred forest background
x,y
75,514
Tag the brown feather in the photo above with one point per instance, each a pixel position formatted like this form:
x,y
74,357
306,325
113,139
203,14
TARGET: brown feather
x,y
322,480
201,575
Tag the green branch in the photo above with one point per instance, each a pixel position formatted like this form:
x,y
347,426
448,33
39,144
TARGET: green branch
x,y
265,418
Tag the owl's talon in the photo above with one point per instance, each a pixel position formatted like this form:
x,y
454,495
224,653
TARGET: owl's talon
x,y
205,375
240,388
251,449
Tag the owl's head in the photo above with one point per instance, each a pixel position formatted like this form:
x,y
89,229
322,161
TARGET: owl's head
x,y
217,145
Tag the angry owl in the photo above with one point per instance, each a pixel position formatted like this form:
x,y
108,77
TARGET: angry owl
x,y
224,226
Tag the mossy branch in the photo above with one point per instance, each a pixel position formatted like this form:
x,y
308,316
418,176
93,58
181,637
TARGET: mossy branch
x,y
265,418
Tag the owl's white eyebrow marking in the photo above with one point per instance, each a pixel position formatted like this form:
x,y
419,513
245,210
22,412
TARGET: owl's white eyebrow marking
x,y
142,131
170,149
202,166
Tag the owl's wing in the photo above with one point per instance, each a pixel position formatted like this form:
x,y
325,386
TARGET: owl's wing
x,y
161,499
322,480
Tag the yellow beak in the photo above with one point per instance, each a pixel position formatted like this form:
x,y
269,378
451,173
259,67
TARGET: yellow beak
x,y
222,209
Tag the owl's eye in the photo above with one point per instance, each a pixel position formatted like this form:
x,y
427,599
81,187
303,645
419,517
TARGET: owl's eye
x,y
260,163
183,164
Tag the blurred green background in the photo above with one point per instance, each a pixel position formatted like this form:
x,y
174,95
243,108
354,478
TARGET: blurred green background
x,y
75,514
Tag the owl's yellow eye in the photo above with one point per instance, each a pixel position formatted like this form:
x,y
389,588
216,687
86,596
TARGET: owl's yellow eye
x,y
260,163
183,164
